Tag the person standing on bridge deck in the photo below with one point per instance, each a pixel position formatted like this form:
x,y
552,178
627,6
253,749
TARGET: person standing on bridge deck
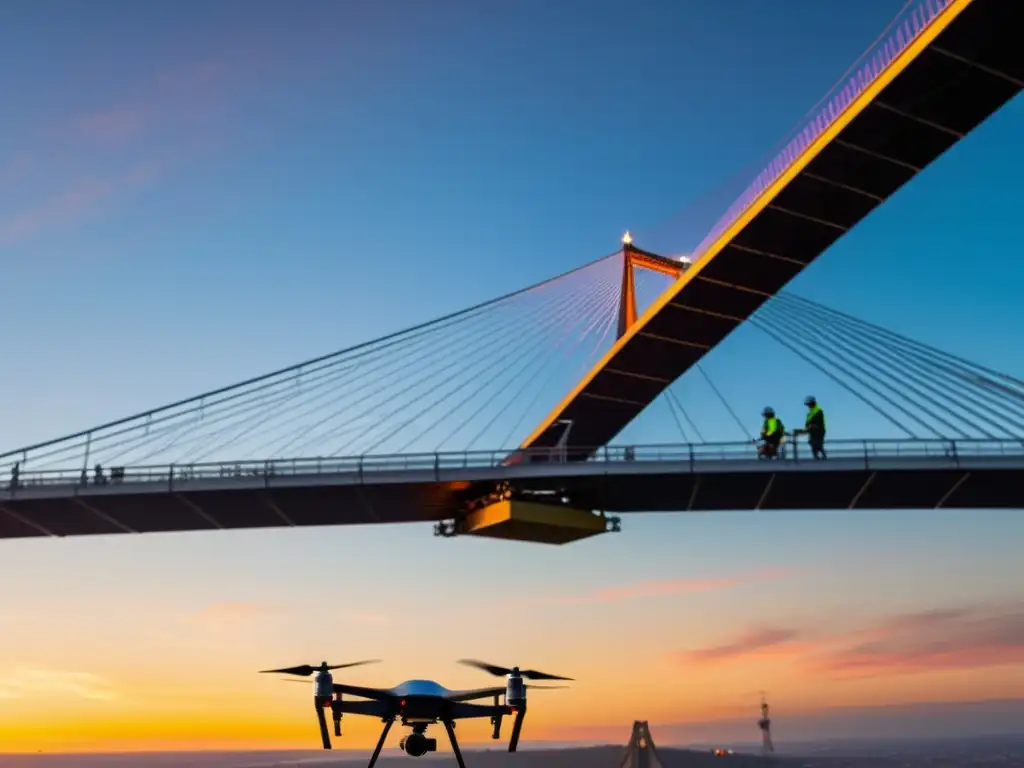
x,y
814,426
772,433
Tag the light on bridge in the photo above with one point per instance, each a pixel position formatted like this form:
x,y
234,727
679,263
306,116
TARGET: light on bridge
x,y
627,239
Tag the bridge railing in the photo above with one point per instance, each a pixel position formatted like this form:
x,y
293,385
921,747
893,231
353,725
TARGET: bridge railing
x,y
908,24
435,463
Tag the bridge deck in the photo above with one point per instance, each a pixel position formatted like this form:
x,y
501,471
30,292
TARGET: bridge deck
x,y
958,71
426,488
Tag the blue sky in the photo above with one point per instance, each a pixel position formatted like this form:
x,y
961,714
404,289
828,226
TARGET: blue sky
x,y
190,195
214,193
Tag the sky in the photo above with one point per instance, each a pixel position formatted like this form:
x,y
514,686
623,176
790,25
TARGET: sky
x,y
192,195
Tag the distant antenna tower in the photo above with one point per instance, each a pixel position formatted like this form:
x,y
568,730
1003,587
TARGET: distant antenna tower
x,y
765,724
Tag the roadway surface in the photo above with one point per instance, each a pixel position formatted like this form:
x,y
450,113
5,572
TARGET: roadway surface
x,y
938,85
431,487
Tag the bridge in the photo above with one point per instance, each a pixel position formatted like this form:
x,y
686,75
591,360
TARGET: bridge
x,y
372,427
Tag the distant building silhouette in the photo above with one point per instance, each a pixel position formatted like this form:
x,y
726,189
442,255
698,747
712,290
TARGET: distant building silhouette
x,y
641,752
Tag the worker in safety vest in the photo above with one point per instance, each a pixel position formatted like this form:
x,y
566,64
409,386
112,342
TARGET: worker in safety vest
x,y
814,426
772,433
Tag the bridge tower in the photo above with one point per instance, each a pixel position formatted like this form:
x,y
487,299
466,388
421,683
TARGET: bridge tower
x,y
765,724
641,752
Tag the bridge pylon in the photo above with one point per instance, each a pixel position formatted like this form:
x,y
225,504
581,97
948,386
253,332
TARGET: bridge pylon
x,y
634,258
641,752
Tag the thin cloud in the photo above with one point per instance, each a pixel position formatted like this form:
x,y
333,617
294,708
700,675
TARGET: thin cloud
x,y
963,640
167,121
78,200
671,587
756,641
32,682
163,100
114,125
907,643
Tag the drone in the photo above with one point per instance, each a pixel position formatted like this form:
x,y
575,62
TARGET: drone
x,y
421,703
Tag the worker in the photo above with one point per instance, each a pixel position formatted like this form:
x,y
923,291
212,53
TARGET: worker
x,y
814,426
772,433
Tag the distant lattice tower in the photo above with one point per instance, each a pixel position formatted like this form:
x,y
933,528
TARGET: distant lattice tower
x,y
765,724
641,752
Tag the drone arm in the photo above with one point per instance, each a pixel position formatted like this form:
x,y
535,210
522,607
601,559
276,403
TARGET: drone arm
x,y
475,693
377,694
371,708
380,742
467,711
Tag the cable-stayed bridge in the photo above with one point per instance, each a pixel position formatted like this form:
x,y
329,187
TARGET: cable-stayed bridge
x,y
463,420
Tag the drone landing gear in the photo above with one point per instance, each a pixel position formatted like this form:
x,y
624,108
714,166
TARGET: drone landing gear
x,y
322,718
450,727
517,728
380,742
336,714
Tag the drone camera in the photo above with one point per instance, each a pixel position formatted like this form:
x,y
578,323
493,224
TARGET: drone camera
x,y
417,745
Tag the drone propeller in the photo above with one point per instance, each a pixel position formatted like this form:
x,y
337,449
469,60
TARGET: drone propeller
x,y
531,687
493,669
305,670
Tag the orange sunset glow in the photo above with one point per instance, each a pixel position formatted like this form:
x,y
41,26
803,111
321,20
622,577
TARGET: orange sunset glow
x,y
172,664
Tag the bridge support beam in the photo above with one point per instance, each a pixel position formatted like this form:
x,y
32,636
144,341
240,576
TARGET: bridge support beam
x,y
538,523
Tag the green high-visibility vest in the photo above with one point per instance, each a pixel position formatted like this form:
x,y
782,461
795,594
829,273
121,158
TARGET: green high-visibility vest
x,y
812,413
772,425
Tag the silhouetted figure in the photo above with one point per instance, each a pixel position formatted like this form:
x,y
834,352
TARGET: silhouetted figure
x,y
15,474
98,478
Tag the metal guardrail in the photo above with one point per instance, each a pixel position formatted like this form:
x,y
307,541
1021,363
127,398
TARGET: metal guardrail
x,y
437,462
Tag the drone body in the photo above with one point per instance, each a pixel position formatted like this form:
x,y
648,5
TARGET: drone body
x,y
419,704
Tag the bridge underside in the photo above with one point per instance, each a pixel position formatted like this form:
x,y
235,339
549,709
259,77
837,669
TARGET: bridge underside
x,y
239,503
971,69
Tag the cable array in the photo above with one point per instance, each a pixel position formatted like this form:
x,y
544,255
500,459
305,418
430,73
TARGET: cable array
x,y
477,379
481,379
922,391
